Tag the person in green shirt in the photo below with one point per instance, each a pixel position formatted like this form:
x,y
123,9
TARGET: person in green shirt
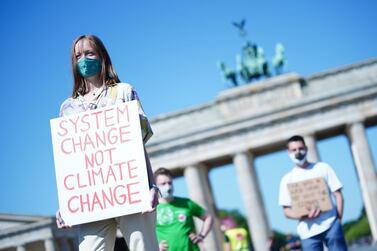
x,y
175,224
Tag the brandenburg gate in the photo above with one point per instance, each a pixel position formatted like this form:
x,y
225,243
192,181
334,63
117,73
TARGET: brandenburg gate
x,y
248,121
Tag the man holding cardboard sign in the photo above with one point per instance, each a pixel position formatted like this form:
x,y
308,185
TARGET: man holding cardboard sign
x,y
306,194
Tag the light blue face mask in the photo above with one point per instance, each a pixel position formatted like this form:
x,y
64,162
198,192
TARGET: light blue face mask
x,y
166,191
88,67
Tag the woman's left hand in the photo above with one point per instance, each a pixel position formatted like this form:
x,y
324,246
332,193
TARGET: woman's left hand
x,y
196,238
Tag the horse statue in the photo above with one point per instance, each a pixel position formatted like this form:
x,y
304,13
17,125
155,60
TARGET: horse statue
x,y
228,74
254,61
279,60
243,70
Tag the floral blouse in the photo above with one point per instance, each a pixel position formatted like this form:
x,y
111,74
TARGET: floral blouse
x,y
121,92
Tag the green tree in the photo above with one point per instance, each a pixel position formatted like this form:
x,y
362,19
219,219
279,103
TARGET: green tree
x,y
356,229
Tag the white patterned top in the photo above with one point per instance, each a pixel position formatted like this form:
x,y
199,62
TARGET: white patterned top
x,y
121,92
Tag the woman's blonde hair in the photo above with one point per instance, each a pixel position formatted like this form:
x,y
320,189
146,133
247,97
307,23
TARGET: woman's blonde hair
x,y
107,74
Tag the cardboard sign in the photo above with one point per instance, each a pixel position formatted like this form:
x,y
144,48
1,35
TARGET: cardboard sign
x,y
308,194
100,164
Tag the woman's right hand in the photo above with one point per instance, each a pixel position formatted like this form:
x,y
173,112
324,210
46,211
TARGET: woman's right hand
x,y
59,220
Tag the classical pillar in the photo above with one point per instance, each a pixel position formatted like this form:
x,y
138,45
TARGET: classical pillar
x,y
49,244
21,248
366,171
199,189
252,198
311,143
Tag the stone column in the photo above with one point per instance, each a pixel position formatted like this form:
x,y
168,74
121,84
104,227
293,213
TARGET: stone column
x,y
49,244
366,171
21,248
311,143
252,198
199,189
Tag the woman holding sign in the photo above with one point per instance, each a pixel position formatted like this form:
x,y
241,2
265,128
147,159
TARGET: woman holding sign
x,y
96,85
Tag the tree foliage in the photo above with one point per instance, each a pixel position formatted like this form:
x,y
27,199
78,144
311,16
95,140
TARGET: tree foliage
x,y
354,230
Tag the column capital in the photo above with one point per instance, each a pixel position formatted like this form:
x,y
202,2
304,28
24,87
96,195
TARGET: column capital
x,y
197,165
309,134
358,122
245,153
21,247
310,141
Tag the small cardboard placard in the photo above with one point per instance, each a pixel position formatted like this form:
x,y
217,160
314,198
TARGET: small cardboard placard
x,y
100,164
309,193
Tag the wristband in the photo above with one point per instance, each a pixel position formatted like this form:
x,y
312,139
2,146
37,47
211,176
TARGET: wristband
x,y
201,236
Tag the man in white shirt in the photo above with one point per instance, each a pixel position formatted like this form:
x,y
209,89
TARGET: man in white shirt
x,y
317,228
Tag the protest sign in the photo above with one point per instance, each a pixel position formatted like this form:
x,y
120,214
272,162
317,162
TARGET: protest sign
x,y
309,193
100,164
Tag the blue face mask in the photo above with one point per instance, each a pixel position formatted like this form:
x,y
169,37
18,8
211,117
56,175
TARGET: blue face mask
x,y
166,191
88,67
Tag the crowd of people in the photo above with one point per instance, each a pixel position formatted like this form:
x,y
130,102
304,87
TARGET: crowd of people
x,y
169,224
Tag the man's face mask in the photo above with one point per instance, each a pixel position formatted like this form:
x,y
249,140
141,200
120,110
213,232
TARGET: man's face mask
x,y
166,191
298,158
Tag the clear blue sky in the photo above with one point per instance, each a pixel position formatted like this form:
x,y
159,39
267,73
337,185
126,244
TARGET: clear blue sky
x,y
168,50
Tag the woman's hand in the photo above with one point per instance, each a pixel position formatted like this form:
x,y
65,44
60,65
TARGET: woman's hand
x,y
59,221
196,238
